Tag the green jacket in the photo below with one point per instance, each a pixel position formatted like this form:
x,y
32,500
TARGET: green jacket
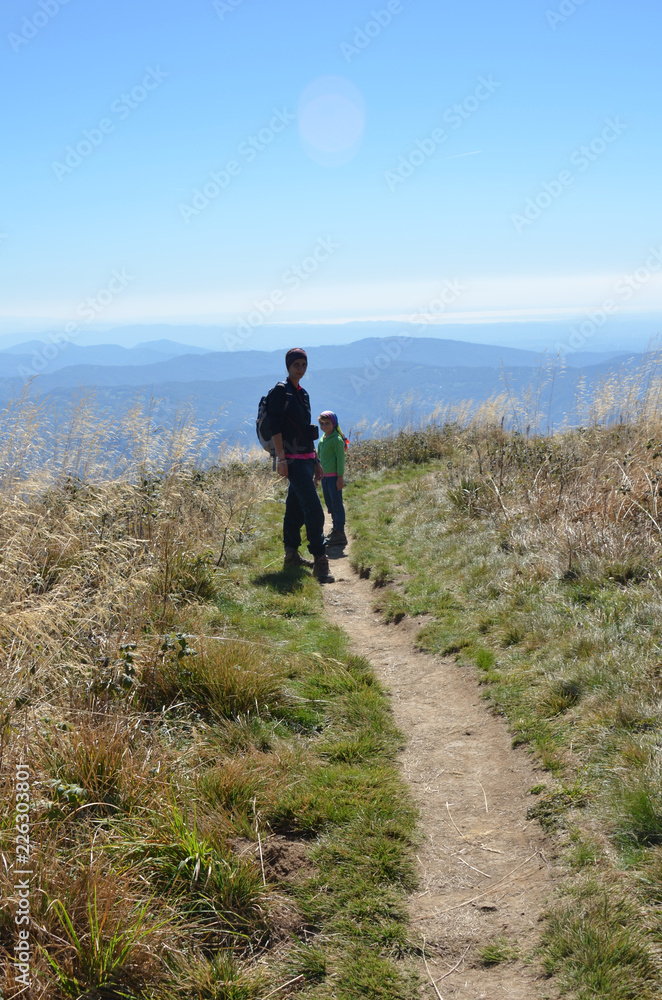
x,y
331,453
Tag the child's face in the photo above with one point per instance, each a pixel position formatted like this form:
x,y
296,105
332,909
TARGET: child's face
x,y
326,424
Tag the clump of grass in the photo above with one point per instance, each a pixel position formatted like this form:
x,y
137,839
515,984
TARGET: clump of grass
x,y
393,606
562,695
648,877
331,795
469,497
363,973
216,977
96,930
192,576
551,808
307,960
598,948
223,894
499,950
582,852
636,804
103,953
96,765
244,788
218,680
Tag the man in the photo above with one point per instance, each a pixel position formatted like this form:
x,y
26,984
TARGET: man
x,y
293,438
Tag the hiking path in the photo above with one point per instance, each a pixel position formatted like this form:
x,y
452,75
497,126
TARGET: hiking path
x,y
485,871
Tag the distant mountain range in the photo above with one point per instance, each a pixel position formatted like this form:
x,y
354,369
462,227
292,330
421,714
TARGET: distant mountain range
x,y
163,360
622,332
38,357
373,383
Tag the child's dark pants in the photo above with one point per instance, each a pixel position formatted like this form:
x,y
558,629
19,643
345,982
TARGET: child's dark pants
x,y
333,500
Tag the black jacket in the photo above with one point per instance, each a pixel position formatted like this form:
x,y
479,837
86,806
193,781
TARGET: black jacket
x,y
289,415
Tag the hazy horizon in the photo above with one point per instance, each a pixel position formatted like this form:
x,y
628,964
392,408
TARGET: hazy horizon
x,y
582,333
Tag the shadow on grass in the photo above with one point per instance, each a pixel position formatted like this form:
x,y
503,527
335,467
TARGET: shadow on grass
x,y
287,581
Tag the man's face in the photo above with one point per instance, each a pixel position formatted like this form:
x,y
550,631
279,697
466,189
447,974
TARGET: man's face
x,y
298,367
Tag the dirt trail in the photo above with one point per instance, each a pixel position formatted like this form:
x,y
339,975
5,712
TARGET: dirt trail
x,y
484,869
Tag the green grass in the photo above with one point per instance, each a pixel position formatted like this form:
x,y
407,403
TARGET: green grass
x,y
101,955
499,950
337,787
599,948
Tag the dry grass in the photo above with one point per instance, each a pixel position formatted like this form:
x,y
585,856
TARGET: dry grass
x,y
113,542
100,535
589,492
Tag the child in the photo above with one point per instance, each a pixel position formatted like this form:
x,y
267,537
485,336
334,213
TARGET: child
x,y
331,453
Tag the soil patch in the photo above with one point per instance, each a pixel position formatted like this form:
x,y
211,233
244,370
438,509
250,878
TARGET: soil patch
x,y
283,859
284,862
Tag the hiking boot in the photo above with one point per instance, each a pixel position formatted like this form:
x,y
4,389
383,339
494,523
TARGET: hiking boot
x,y
292,558
321,570
337,537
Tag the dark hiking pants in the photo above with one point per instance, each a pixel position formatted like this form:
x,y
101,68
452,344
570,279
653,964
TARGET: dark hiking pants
x,y
303,506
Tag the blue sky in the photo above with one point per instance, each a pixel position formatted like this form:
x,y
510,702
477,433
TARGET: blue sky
x,y
366,157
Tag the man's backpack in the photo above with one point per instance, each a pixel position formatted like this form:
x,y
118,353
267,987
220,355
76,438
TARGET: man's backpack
x,y
262,424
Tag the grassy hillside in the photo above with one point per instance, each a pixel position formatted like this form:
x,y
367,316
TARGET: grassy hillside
x,y
536,563
199,782
198,790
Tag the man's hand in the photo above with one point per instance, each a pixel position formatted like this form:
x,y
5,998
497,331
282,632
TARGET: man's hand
x,y
282,468
340,482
